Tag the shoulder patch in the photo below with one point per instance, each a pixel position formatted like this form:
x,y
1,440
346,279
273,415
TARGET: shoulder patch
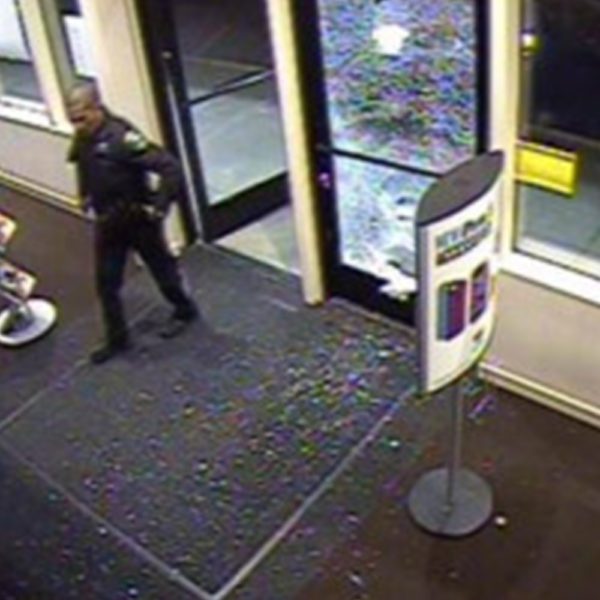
x,y
135,141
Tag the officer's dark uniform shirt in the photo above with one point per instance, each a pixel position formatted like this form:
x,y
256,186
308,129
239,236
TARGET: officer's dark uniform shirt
x,y
116,167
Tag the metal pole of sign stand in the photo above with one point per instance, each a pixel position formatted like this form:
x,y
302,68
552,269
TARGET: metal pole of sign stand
x,y
452,501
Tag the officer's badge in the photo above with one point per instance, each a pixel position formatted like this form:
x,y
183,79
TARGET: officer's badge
x,y
135,141
102,149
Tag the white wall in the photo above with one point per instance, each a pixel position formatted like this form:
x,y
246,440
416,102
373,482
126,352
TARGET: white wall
x,y
546,346
38,156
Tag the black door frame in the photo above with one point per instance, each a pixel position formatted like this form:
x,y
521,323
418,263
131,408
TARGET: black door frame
x,y
168,86
343,280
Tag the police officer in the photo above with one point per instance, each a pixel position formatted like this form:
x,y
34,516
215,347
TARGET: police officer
x,y
127,183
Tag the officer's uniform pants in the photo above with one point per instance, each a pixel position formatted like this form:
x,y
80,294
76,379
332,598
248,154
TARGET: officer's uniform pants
x,y
113,240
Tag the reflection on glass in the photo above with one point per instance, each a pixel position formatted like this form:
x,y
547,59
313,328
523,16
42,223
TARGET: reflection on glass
x,y
401,79
76,39
205,31
204,75
560,63
564,230
17,73
376,211
560,90
240,140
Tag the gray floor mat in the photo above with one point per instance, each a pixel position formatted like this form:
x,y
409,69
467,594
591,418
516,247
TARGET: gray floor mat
x,y
200,447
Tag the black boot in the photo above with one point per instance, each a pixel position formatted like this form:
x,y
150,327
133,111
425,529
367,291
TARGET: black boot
x,y
109,350
180,319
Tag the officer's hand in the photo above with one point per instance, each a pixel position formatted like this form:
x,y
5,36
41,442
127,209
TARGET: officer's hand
x,y
153,213
87,208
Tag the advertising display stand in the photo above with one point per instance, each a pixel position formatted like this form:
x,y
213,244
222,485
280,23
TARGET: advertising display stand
x,y
25,319
456,230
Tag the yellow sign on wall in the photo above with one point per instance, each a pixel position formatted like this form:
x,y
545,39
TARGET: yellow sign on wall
x,y
547,167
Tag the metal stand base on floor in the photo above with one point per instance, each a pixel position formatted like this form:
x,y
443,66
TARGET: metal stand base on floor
x,y
25,323
471,507
452,501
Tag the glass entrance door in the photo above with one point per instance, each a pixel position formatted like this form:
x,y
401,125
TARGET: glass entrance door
x,y
559,97
397,100
218,84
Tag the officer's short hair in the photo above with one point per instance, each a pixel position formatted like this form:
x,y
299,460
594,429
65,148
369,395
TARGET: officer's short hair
x,y
85,93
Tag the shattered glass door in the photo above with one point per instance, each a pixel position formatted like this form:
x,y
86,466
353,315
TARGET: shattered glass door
x,y
401,84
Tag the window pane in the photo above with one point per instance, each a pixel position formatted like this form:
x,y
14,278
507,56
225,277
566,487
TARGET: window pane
x,y
243,124
402,79
560,96
76,39
17,73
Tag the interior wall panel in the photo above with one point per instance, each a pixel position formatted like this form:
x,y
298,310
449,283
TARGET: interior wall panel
x,y
36,155
548,338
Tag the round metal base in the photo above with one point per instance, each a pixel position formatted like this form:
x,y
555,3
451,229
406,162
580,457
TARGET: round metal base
x,y
32,324
470,510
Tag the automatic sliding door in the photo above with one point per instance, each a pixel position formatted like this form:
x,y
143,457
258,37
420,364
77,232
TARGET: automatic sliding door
x,y
239,135
217,57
